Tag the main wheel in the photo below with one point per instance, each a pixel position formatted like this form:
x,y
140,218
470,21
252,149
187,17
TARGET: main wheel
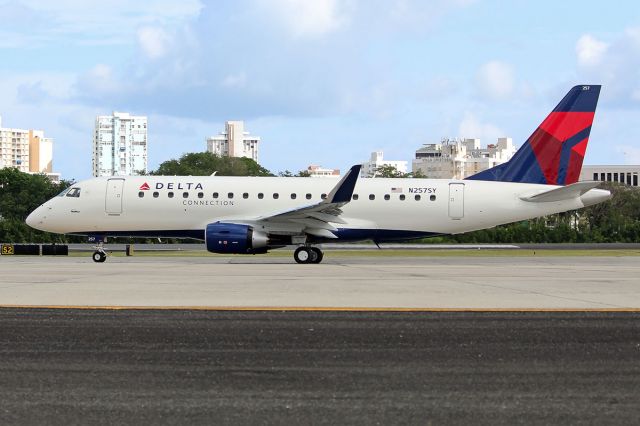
x,y
99,256
317,255
302,255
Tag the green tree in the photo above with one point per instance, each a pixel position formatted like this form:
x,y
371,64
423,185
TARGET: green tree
x,y
206,163
20,194
389,171
301,173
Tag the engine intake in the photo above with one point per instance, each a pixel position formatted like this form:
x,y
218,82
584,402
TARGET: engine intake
x,y
235,238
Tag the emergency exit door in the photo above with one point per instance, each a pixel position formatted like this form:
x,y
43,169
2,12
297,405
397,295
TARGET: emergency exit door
x,y
456,200
113,199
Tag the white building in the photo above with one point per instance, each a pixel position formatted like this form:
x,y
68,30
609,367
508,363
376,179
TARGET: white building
x,y
27,150
317,171
234,142
626,174
458,159
120,145
376,161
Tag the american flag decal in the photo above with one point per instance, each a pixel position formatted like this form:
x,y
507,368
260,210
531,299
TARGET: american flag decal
x,y
396,190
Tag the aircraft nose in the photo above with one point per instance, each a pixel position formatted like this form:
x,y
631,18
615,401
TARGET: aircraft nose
x,y
34,219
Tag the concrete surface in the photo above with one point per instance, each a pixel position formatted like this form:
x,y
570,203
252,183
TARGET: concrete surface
x,y
340,282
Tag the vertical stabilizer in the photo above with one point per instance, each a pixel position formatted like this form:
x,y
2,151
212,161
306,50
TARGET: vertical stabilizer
x,y
553,154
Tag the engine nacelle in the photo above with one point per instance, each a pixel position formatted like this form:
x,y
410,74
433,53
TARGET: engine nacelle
x,y
235,238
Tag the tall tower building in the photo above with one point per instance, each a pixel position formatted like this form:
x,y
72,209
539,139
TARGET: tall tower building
x,y
40,152
120,145
234,142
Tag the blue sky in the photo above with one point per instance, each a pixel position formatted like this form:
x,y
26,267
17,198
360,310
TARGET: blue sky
x,y
321,81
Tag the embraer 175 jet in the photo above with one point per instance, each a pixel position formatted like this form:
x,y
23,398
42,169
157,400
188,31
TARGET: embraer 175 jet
x,y
250,215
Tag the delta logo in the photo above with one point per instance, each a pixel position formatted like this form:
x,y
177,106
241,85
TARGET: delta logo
x,y
172,185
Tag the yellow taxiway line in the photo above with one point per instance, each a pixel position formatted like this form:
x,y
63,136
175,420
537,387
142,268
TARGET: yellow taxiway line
x,y
314,308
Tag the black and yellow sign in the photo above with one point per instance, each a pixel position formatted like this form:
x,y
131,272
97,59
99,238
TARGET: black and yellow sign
x,y
8,249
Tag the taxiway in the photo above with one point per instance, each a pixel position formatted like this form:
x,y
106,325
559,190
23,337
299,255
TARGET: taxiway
x,y
341,282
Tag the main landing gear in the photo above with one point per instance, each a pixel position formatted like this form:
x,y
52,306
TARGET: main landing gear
x,y
308,254
99,255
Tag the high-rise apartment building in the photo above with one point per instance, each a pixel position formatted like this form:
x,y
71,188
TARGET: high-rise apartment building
x,y
120,145
458,159
27,150
234,142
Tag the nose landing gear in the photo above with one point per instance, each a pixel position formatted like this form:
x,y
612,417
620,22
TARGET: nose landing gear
x,y
99,255
308,254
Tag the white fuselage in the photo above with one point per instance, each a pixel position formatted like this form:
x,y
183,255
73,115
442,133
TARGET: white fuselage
x,y
381,209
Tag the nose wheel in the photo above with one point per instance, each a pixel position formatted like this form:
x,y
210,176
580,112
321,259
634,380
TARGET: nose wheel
x,y
307,254
99,255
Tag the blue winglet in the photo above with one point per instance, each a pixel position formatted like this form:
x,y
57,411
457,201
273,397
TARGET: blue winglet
x,y
344,189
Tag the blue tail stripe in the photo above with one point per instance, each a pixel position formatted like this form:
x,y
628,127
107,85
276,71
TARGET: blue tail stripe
x,y
582,98
523,167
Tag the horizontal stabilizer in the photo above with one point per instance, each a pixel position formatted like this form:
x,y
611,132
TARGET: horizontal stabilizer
x,y
568,192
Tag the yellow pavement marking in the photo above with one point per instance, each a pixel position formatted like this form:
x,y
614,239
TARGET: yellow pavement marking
x,y
316,308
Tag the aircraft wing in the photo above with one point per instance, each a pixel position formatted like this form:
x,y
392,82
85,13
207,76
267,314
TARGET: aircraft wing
x,y
314,219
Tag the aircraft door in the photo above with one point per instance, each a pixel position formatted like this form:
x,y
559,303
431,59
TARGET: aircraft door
x,y
456,200
113,198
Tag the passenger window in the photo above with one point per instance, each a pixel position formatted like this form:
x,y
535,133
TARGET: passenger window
x,y
355,196
260,195
245,195
402,197
200,194
141,194
293,196
230,195
372,197
432,198
215,195
323,196
308,196
387,197
170,194
417,197
156,194
275,195
185,195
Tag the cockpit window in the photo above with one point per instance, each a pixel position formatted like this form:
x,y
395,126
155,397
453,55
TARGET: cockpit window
x,y
74,192
63,193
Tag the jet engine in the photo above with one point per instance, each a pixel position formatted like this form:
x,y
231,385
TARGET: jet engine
x,y
235,238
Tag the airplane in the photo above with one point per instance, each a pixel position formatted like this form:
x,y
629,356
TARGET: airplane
x,y
251,215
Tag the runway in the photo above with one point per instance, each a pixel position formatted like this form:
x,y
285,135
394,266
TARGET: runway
x,y
341,282
204,367
358,339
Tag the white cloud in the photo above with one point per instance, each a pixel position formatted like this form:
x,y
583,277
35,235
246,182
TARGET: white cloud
x,y
154,41
472,127
496,80
614,64
98,80
309,19
590,50
82,22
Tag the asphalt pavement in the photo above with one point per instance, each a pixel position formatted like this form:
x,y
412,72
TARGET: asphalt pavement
x,y
63,366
